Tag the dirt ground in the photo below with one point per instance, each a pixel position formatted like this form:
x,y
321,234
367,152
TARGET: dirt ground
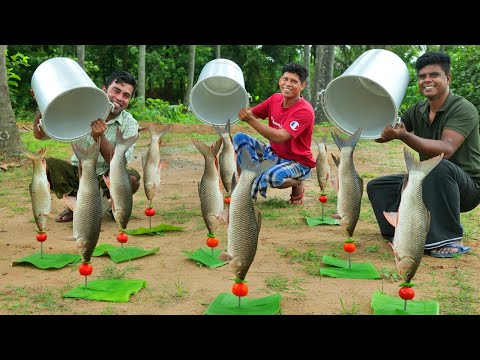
x,y
176,285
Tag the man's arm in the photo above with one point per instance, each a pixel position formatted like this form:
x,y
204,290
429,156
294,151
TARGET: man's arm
x,y
274,135
38,132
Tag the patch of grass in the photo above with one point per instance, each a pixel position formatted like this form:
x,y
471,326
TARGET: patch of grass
x,y
353,310
179,289
108,310
461,297
372,248
310,260
111,272
281,283
22,300
180,214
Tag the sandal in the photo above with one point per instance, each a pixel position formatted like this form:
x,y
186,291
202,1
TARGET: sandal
x,y
65,216
297,200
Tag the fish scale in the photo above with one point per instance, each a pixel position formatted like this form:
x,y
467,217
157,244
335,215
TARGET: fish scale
x,y
39,189
322,166
227,163
244,220
87,216
120,186
209,191
151,161
412,222
350,184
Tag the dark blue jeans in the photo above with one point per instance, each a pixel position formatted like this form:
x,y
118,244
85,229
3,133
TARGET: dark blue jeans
x,y
447,192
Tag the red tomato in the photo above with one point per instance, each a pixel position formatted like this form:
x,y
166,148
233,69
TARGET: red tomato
x,y
349,247
212,242
122,237
406,293
41,237
149,211
240,289
323,199
226,200
85,269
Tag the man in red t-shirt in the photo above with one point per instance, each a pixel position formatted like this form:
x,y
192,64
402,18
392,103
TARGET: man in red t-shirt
x,y
289,130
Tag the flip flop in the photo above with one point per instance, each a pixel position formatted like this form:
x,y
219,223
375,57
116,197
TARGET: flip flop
x,y
298,198
461,250
65,216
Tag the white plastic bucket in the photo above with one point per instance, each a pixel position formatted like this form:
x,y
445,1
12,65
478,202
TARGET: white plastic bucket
x,y
68,99
368,94
219,93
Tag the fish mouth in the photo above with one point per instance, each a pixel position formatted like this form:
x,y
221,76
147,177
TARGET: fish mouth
x,y
407,267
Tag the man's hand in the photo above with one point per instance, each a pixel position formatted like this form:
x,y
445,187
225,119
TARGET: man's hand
x,y
390,133
245,114
98,127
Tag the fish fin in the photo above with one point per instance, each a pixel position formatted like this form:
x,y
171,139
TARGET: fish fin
x,y
336,160
335,184
70,201
259,221
163,164
224,256
106,178
391,217
223,216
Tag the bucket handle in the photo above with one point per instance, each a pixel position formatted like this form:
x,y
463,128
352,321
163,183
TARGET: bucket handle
x,y
111,106
397,122
321,100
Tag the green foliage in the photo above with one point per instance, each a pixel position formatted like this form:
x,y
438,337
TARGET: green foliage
x,y
13,63
158,110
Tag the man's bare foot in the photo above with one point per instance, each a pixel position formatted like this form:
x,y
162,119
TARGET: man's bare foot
x,y
296,197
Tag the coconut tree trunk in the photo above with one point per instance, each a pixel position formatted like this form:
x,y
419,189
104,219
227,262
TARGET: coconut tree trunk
x,y
10,141
306,63
141,74
191,71
81,55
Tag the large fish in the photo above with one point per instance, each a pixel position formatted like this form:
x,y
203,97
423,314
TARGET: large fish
x,y
349,184
209,190
322,166
244,221
87,214
152,163
226,158
412,221
120,186
39,189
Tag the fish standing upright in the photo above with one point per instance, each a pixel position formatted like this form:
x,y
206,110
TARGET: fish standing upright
x,y
120,186
87,214
349,184
151,161
227,162
39,189
244,221
412,221
322,166
209,190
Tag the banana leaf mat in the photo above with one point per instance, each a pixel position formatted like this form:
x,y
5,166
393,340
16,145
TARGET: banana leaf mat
x,y
227,304
383,304
49,261
341,269
204,256
155,230
119,254
314,221
107,290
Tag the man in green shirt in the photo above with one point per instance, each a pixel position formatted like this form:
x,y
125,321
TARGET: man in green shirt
x,y
63,175
443,123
